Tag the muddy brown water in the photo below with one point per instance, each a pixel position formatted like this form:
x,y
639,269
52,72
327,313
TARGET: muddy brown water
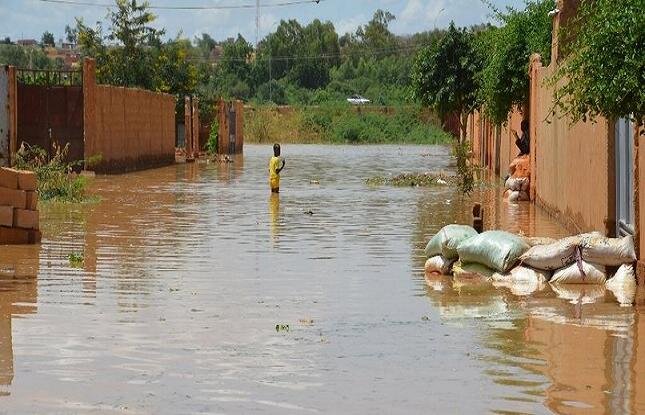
x,y
188,270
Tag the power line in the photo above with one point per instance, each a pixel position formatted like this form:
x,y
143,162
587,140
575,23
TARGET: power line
x,y
219,7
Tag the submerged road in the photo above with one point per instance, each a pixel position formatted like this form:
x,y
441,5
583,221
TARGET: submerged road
x,y
202,293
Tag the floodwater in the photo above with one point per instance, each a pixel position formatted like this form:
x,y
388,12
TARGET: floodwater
x,y
188,269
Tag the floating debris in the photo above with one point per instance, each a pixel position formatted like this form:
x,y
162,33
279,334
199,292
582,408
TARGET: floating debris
x,y
76,259
413,180
281,327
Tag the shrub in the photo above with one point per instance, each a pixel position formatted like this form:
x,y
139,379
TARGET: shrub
x,y
55,178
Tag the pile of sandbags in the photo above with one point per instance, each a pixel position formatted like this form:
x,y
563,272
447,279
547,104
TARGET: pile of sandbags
x,y
519,179
585,259
525,265
19,219
494,250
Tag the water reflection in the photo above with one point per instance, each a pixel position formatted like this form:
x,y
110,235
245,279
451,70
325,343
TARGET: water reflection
x,y
274,213
18,297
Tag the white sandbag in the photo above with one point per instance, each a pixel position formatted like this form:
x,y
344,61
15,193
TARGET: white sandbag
x,y
445,242
623,285
522,274
611,252
579,294
537,240
517,183
522,281
572,274
518,196
439,265
552,256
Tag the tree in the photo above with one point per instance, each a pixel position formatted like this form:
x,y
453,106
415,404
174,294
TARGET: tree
x,y
603,70
376,34
130,63
444,75
71,34
506,52
47,39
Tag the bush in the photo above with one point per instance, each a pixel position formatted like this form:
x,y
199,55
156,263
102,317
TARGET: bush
x,y
55,178
211,145
271,91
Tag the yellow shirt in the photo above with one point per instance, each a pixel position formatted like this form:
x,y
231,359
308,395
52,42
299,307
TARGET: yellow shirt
x,y
274,176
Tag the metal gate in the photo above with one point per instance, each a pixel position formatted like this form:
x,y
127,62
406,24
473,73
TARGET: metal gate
x,y
624,177
50,111
232,129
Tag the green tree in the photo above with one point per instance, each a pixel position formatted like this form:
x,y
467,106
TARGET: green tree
x,y
71,34
506,52
47,39
444,75
376,35
130,30
603,70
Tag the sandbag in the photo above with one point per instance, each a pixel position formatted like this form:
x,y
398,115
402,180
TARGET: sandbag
x,y
573,274
552,256
579,294
518,196
447,239
439,265
537,240
517,183
611,252
522,281
497,250
522,274
623,285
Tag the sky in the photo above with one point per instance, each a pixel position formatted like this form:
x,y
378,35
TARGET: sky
x,y
30,18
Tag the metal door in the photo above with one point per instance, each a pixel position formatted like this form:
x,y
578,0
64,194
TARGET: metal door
x,y
50,111
624,177
232,125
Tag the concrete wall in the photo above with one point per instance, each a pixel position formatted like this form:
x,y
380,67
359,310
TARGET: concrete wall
x,y
129,128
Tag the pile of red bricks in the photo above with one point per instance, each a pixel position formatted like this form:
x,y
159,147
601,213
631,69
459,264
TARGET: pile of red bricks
x,y
18,208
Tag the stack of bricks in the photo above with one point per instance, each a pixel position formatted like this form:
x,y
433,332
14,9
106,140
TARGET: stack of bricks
x,y
18,208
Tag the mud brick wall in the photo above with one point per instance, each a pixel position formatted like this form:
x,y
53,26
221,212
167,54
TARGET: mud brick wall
x,y
130,129
19,220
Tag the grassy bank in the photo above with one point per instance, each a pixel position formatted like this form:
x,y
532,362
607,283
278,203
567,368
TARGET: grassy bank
x,y
341,123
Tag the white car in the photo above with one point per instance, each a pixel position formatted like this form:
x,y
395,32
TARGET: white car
x,y
358,100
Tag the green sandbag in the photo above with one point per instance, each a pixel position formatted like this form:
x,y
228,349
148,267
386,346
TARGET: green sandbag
x,y
446,241
496,249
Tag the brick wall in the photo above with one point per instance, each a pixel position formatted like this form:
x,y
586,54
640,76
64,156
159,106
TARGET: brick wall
x,y
129,128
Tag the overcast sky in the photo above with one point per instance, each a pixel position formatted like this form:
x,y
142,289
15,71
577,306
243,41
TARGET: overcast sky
x,y
30,18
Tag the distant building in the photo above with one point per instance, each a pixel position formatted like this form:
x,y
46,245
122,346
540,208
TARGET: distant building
x,y
27,42
67,54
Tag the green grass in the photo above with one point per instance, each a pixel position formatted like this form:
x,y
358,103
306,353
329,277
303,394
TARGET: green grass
x,y
340,123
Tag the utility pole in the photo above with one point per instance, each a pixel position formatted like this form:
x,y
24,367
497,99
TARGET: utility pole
x,y
257,24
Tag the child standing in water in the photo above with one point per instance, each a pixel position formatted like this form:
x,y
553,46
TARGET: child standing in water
x,y
276,164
